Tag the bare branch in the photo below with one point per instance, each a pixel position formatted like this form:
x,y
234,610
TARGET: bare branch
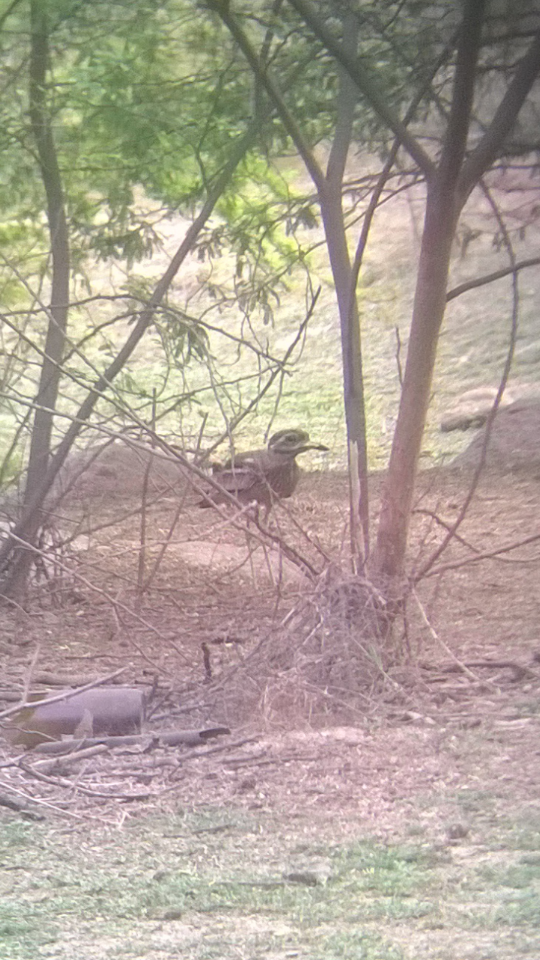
x,y
486,555
496,403
490,277
457,128
505,117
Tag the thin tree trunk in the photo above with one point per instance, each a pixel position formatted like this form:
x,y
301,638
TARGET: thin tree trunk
x,y
351,355
428,313
47,393
330,198
443,206
49,381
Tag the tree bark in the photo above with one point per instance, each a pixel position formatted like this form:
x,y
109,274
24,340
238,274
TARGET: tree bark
x,y
47,393
428,313
330,198
49,380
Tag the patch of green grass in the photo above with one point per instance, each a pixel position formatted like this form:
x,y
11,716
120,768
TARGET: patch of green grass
x,y
16,834
521,831
191,867
24,929
519,875
503,893
526,838
522,910
494,908
211,883
355,945
474,802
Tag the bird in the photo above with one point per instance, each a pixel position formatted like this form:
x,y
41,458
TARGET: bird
x,y
262,476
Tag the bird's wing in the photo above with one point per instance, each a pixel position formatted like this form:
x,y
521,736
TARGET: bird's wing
x,y
254,459
241,475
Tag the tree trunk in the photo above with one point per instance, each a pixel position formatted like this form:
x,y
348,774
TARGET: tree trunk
x,y
353,382
330,194
445,199
47,393
428,312
49,381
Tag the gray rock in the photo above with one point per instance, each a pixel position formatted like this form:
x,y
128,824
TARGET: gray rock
x,y
514,439
473,408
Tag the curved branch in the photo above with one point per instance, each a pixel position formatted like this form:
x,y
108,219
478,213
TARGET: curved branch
x,y
496,403
486,555
490,277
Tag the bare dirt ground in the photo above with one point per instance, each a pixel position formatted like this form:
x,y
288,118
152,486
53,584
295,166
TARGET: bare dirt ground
x,y
474,615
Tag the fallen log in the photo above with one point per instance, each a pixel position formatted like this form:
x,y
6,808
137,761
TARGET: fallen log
x,y
117,710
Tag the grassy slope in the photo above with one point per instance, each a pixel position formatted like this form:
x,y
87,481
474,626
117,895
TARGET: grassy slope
x,y
210,883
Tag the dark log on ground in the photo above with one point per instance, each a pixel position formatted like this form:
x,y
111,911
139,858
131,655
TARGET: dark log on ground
x,y
170,738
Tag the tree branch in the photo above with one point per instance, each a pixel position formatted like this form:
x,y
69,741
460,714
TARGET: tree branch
x,y
505,117
486,555
455,140
266,81
345,106
490,277
368,86
7,12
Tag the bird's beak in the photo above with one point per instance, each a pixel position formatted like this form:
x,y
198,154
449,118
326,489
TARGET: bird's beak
x,y
314,446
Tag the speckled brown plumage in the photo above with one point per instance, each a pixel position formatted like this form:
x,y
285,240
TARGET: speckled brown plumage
x,y
263,476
